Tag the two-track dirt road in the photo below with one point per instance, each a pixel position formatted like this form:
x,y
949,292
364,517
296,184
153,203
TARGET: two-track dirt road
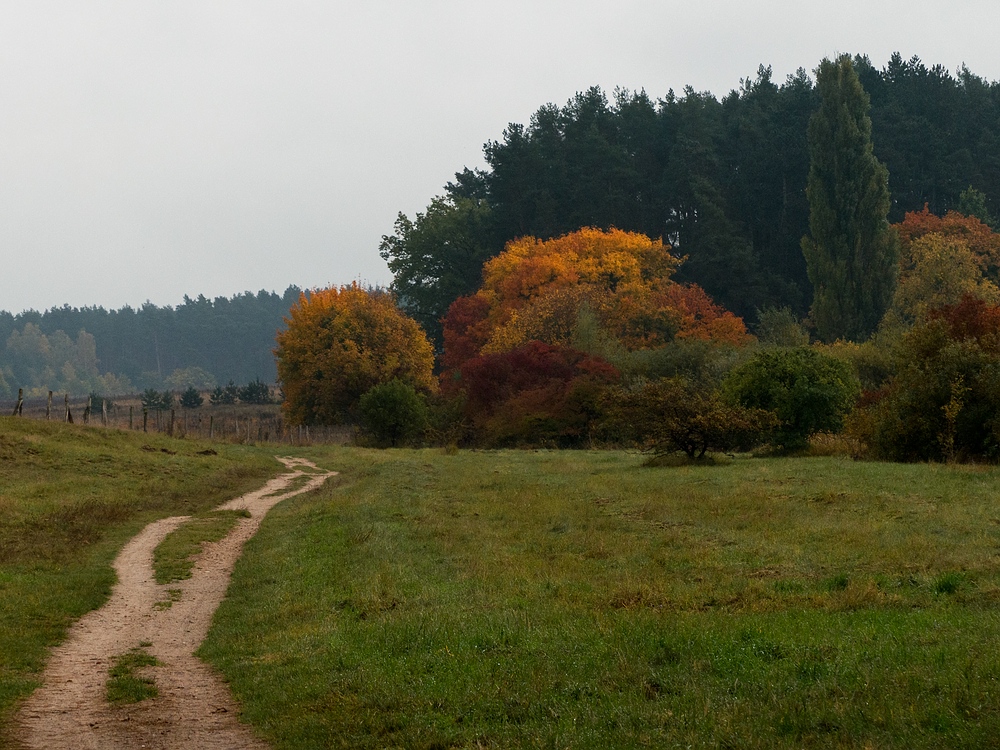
x,y
194,708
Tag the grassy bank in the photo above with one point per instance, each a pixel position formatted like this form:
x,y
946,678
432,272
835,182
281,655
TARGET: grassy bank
x,y
576,599
70,497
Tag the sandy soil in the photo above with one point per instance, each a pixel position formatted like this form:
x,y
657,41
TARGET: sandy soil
x,y
194,708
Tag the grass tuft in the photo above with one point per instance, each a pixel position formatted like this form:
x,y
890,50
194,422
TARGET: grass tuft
x,y
125,683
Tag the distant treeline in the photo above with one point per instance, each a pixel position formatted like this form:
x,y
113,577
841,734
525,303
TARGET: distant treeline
x,y
722,181
200,343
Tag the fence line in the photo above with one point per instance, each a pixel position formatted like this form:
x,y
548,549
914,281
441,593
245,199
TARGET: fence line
x,y
244,424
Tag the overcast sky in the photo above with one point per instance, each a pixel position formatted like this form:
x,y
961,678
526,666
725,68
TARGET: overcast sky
x,y
159,148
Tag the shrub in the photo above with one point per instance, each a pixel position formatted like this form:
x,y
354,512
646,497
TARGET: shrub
x,y
673,415
944,402
806,390
393,412
534,394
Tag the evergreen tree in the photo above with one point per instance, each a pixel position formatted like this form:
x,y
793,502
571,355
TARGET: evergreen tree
x,y
851,252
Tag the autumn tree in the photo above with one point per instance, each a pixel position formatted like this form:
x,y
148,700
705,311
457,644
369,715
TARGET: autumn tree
x,y
851,252
939,270
533,394
977,236
338,344
541,291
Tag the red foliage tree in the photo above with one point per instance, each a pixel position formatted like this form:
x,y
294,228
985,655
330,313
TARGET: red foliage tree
x,y
534,393
466,330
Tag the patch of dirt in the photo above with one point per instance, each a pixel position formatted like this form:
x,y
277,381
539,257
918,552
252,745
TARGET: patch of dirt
x,y
194,708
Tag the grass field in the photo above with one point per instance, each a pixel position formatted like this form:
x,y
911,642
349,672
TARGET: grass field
x,y
70,497
579,600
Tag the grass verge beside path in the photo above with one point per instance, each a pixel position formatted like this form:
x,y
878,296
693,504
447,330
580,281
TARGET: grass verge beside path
x,y
574,599
70,497
173,559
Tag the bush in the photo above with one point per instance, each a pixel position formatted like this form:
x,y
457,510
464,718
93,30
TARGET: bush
x,y
807,391
944,402
672,415
536,394
191,398
393,413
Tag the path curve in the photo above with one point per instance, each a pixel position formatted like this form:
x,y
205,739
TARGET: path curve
x,y
194,708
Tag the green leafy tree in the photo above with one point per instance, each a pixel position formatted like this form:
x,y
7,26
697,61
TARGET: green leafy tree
x,y
393,412
851,252
808,391
438,257
780,327
972,202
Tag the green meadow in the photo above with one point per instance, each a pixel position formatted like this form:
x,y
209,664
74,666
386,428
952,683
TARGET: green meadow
x,y
580,600
572,599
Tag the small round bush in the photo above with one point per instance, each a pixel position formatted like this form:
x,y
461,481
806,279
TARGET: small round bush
x,y
393,412
807,391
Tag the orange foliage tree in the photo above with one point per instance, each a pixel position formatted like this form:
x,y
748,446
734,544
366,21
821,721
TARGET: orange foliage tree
x,y
536,290
339,343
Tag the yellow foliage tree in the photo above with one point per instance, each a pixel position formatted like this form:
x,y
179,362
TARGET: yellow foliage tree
x,y
339,343
939,270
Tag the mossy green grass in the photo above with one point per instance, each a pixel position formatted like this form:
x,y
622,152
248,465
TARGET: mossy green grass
x,y
70,497
174,557
578,599
126,684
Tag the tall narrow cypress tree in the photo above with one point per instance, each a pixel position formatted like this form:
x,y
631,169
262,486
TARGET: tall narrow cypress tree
x,y
851,252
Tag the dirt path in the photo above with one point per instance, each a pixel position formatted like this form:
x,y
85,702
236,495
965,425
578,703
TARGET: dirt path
x,y
194,709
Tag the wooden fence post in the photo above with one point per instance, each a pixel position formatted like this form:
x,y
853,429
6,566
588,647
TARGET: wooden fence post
x,y
170,428
104,411
211,427
69,414
20,403
130,416
145,418
48,407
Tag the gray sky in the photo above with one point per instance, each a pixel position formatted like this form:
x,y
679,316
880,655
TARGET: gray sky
x,y
166,147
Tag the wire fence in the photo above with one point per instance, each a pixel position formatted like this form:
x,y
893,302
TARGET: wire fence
x,y
236,423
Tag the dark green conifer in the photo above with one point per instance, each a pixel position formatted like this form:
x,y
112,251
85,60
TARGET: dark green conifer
x,y
851,251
